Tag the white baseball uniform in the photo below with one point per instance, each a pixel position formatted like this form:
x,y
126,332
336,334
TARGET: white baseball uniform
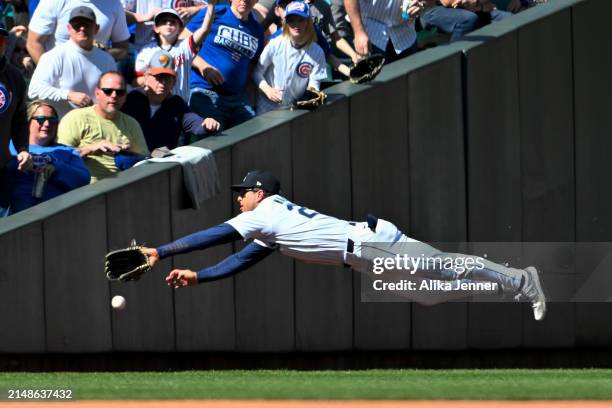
x,y
309,236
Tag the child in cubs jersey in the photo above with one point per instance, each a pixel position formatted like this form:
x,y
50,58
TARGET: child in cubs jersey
x,y
290,63
168,26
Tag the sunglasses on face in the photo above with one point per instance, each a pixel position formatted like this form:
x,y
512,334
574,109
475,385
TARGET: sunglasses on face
x,y
109,91
42,119
78,23
163,77
243,191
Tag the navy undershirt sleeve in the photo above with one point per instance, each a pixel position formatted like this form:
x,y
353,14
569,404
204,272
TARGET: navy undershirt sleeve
x,y
217,235
238,262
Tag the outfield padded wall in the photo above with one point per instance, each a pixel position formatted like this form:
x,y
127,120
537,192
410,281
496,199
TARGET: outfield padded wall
x,y
449,144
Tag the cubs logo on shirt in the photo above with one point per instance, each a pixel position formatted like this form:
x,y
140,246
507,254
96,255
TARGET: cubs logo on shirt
x,y
304,69
237,40
5,98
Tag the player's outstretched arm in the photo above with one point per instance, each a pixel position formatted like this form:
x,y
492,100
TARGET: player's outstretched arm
x,y
236,263
217,235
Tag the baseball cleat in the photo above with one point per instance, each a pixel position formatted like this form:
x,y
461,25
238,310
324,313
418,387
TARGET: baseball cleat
x,y
532,290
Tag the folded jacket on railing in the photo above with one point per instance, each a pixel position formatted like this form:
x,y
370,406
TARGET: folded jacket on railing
x,y
200,174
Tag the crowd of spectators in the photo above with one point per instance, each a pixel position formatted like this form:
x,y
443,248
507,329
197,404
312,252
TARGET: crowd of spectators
x,y
89,87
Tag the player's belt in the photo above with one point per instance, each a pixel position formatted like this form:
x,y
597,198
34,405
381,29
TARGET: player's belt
x,y
372,221
350,246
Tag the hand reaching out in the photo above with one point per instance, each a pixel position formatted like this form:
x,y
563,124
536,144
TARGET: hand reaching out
x,y
211,125
180,278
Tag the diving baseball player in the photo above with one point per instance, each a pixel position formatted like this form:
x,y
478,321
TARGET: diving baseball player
x,y
275,223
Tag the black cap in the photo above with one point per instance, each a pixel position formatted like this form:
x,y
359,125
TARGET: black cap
x,y
83,12
261,179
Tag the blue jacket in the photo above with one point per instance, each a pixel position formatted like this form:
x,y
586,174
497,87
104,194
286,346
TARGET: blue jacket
x,y
70,173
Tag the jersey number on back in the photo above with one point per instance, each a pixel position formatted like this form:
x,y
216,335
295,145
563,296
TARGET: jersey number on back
x,y
301,210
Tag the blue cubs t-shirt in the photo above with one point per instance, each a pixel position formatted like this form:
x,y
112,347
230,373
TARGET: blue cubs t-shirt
x,y
230,46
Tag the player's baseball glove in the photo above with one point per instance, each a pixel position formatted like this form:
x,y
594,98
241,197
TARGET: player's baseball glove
x,y
367,69
126,264
311,100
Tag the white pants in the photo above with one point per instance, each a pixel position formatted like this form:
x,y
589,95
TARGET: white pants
x,y
388,241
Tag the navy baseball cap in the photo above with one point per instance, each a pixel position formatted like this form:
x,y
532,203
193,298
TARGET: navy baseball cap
x,y
167,12
297,8
82,12
262,179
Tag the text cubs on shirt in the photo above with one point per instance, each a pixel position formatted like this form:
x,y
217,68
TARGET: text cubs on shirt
x,y
237,40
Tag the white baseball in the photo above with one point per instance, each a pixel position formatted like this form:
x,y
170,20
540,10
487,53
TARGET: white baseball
x,y
118,302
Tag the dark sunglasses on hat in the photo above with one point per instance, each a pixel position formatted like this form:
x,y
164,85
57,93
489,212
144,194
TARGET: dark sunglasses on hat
x,y
42,119
109,91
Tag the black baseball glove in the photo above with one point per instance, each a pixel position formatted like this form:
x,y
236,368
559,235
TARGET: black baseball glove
x,y
126,264
367,69
311,100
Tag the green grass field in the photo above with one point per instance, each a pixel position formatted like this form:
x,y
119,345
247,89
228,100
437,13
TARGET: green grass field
x,y
593,384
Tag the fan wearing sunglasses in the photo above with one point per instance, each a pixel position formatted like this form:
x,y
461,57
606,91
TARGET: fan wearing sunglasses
x,y
106,137
57,168
66,76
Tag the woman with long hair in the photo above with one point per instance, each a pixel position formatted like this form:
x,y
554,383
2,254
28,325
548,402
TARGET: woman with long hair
x,y
291,62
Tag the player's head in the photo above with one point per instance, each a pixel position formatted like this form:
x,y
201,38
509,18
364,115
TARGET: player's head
x,y
168,24
256,185
298,25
